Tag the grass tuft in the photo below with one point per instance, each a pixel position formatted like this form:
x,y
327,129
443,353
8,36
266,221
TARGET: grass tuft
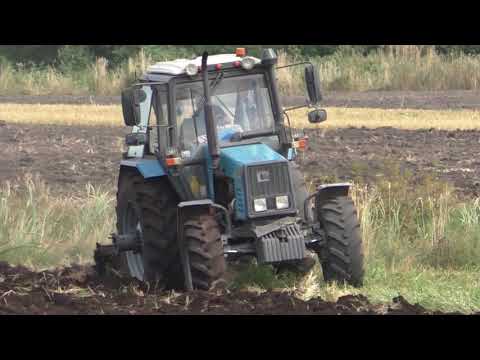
x,y
40,229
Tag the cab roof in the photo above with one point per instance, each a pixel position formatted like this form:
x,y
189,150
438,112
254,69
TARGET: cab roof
x,y
177,67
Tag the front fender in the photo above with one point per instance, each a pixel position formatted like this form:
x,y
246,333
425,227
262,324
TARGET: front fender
x,y
333,190
324,192
148,168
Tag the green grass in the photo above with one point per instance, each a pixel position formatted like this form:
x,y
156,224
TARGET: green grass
x,y
420,240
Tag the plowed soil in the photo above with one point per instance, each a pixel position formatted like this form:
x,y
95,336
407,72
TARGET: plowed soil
x,y
77,290
68,158
451,99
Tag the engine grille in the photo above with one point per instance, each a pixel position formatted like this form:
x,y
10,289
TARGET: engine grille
x,y
283,245
268,181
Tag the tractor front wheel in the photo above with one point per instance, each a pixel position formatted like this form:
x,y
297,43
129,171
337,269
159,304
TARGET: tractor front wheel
x,y
205,251
342,256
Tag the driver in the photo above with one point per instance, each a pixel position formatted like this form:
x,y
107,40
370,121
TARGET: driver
x,y
221,117
224,123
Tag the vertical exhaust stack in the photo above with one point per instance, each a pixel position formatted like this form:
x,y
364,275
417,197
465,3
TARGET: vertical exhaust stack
x,y
209,119
270,60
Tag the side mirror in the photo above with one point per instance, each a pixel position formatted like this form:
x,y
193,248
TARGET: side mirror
x,y
317,116
313,84
131,100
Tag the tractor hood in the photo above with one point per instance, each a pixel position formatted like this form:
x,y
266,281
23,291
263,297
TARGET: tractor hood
x,y
233,159
257,171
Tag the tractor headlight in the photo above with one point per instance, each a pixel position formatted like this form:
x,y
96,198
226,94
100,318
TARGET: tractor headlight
x,y
282,202
260,205
191,69
248,63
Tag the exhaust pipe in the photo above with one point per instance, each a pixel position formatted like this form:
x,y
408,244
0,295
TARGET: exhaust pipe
x,y
209,119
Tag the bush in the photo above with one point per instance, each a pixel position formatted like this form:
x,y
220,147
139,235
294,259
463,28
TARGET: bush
x,y
74,58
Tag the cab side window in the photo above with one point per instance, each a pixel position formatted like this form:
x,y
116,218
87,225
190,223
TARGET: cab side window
x,y
158,121
187,101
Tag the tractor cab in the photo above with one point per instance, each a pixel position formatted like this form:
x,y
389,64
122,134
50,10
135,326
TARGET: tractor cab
x,y
210,174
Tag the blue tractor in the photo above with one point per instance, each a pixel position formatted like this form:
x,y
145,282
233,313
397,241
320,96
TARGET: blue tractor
x,y
210,176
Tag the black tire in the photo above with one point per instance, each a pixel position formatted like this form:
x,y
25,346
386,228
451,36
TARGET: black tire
x,y
342,256
154,207
205,248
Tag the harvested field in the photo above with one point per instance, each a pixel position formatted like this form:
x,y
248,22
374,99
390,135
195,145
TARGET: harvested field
x,y
111,115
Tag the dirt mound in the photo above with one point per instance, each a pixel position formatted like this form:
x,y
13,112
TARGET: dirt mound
x,y
77,290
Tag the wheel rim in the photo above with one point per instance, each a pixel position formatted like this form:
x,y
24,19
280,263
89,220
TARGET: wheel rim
x,y
131,224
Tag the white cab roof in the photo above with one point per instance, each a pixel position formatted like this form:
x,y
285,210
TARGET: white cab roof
x,y
177,67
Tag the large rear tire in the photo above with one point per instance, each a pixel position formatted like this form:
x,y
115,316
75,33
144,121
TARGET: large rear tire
x,y
149,207
342,256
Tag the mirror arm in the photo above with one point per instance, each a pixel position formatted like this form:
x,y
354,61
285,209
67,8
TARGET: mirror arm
x,y
296,64
298,107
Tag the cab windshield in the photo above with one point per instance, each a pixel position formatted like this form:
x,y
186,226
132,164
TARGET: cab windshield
x,y
239,104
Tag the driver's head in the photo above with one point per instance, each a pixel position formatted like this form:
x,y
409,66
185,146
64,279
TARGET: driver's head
x,y
221,116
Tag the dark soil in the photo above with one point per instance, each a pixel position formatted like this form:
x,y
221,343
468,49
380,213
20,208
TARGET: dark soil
x,y
77,290
65,157
428,100
451,99
367,155
68,158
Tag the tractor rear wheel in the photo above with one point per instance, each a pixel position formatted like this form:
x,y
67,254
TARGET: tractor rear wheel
x,y
342,256
149,207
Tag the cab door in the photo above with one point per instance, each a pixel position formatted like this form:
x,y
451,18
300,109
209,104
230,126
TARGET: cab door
x,y
192,140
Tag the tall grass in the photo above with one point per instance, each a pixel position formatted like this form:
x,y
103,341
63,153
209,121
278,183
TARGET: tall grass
x,y
405,221
96,79
409,67
408,222
40,229
393,68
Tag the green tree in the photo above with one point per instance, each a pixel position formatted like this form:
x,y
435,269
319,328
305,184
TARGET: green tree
x,y
38,54
73,58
